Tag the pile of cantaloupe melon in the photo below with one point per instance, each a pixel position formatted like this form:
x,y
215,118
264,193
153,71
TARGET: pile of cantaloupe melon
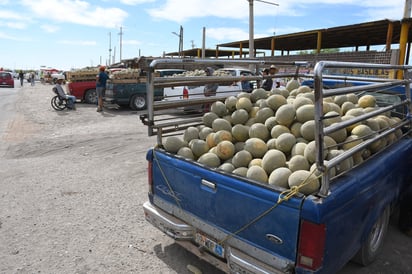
x,y
269,136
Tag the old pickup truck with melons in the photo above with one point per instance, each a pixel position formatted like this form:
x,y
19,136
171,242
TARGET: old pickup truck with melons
x,y
295,180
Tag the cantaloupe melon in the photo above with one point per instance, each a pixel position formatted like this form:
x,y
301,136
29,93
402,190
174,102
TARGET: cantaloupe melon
x,y
346,106
363,131
292,84
307,182
270,122
208,118
257,94
204,132
273,159
271,143
305,113
256,147
298,162
186,153
285,142
295,129
240,116
222,135
172,144
209,159
219,108
255,162
259,130
263,114
367,101
257,173
210,140
225,150
301,101
198,147
241,171
244,103
240,132
253,111
190,133
352,97
278,130
279,177
221,124
230,103
340,99
298,149
228,167
311,151
285,115
304,89
242,158
307,130
275,101
351,141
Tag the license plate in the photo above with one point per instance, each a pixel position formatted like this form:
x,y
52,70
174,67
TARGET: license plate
x,y
210,244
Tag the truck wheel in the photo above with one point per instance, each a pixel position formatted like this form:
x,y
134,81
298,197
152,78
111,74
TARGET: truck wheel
x,y
373,244
90,97
138,102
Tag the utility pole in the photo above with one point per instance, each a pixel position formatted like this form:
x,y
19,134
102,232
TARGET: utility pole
x,y
121,35
180,35
110,47
251,26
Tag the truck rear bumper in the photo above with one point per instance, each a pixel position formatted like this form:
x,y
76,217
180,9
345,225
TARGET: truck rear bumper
x,y
235,260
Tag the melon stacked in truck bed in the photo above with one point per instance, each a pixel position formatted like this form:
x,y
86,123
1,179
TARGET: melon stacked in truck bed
x,y
269,137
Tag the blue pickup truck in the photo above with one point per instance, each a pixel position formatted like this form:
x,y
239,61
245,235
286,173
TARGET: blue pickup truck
x,y
242,225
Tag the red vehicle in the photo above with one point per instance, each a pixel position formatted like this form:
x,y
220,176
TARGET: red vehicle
x,y
6,79
84,91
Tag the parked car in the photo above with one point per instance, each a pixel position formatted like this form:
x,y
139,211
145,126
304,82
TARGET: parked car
x,y
6,79
132,93
224,89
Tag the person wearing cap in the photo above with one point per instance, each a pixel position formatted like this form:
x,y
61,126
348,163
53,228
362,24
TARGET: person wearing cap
x,y
101,80
60,91
272,71
268,82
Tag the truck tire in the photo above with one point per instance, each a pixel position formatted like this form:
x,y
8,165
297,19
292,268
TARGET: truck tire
x,y
138,102
90,97
373,244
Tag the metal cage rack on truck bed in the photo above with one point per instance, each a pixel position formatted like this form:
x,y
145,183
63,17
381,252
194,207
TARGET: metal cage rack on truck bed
x,y
394,96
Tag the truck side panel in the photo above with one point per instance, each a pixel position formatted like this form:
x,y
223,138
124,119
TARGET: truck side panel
x,y
231,204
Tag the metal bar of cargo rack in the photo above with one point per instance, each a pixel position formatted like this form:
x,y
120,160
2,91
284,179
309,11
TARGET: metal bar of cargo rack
x,y
159,82
320,93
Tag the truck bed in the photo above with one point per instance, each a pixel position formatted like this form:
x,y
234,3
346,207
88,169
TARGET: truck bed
x,y
234,212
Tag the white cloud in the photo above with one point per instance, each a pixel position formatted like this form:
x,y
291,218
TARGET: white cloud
x,y
181,11
6,36
135,2
77,12
50,28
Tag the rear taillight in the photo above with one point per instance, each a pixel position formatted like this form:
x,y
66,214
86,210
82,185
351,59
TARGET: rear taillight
x,y
311,245
150,176
185,93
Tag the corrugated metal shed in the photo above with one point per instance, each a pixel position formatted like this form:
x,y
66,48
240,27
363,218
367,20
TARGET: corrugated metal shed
x,y
382,32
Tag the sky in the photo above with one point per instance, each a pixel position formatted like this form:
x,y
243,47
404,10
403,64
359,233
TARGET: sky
x,y
72,34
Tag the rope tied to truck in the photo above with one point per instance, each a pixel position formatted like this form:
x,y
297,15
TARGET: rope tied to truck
x,y
283,197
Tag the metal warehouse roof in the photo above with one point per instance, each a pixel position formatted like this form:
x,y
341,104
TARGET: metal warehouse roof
x,y
382,32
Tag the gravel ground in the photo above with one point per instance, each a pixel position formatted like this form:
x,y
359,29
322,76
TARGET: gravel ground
x,y
72,185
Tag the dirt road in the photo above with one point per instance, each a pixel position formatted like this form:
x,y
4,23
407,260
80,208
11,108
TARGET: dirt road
x,y
72,185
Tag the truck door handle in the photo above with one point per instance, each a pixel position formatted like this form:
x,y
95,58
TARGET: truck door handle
x,y
208,184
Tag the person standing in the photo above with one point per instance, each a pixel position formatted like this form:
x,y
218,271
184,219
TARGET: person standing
x,y
101,80
272,71
32,78
268,82
21,77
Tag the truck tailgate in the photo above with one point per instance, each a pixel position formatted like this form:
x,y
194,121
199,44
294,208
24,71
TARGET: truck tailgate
x,y
237,209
